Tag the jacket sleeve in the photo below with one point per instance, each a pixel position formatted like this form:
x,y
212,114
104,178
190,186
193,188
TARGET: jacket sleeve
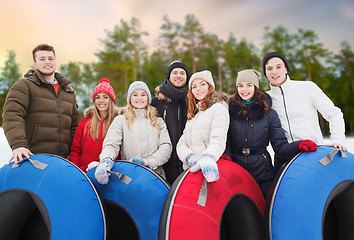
x,y
14,113
182,149
74,121
113,140
282,148
218,131
76,147
330,112
228,151
164,150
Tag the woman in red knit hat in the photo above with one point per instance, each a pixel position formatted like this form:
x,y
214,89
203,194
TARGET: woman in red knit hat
x,y
92,129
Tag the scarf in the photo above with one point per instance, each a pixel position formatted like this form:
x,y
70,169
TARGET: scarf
x,y
170,91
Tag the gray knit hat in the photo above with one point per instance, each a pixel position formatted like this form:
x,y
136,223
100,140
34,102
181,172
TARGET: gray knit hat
x,y
204,75
248,75
138,85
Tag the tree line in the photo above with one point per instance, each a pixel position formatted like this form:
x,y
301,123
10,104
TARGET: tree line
x,y
125,57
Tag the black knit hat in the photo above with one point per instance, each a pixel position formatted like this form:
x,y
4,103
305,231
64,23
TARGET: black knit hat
x,y
272,55
177,64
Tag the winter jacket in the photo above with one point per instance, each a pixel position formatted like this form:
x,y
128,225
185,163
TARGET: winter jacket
x,y
142,140
297,103
206,132
85,149
253,133
174,113
37,118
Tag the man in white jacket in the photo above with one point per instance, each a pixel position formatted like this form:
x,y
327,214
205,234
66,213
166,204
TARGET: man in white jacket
x,y
297,103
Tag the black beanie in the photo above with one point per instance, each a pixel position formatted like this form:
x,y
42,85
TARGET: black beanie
x,y
177,64
271,55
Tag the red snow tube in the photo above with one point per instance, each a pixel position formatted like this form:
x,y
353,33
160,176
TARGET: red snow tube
x,y
231,208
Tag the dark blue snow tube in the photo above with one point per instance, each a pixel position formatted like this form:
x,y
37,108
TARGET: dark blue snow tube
x,y
56,202
313,197
133,202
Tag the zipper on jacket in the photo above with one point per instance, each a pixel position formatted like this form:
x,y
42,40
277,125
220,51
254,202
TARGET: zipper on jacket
x,y
164,112
246,141
286,114
59,123
265,158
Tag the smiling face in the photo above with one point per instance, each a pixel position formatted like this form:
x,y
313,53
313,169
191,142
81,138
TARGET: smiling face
x,y
102,102
45,62
200,89
276,71
245,91
178,77
139,99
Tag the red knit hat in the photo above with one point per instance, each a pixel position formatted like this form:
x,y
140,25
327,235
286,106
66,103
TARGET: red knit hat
x,y
104,87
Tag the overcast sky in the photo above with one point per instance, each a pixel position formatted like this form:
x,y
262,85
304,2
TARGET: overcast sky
x,y
74,27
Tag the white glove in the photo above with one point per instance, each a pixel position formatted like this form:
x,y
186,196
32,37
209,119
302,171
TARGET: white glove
x,y
101,174
209,168
91,165
192,159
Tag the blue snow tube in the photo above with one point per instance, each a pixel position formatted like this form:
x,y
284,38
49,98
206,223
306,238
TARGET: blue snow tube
x,y
47,197
133,201
313,197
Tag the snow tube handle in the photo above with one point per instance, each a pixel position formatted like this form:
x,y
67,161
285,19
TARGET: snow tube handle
x,y
124,178
329,157
35,163
203,194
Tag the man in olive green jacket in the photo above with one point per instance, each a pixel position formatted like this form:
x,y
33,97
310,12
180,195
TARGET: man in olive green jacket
x,y
40,113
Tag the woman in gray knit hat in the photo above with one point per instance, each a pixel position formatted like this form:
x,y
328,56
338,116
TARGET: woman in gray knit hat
x,y
138,134
253,124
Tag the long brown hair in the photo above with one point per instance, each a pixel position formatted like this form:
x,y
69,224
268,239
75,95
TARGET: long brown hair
x,y
192,102
259,96
94,123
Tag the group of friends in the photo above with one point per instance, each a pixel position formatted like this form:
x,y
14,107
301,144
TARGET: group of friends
x,y
186,124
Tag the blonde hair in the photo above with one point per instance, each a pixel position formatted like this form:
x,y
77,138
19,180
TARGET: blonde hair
x,y
94,123
151,115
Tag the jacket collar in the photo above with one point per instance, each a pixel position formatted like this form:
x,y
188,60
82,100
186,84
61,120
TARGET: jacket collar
x,y
36,77
284,85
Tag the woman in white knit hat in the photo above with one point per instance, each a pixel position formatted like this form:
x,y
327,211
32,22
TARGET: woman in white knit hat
x,y
138,134
204,138
253,124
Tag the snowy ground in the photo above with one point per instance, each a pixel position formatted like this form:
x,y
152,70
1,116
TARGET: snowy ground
x,y
5,151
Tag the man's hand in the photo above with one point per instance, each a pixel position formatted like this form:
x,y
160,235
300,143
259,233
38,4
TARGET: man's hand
x,y
19,153
339,146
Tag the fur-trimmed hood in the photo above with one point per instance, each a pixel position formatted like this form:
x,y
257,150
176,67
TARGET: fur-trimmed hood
x,y
160,96
218,97
88,112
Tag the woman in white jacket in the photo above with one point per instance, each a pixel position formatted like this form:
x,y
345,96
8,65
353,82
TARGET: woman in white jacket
x,y
138,134
204,137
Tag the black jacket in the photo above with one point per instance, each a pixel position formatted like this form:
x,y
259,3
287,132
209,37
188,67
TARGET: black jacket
x,y
254,132
174,113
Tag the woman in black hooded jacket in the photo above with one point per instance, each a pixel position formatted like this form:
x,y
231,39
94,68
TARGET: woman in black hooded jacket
x,y
253,124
